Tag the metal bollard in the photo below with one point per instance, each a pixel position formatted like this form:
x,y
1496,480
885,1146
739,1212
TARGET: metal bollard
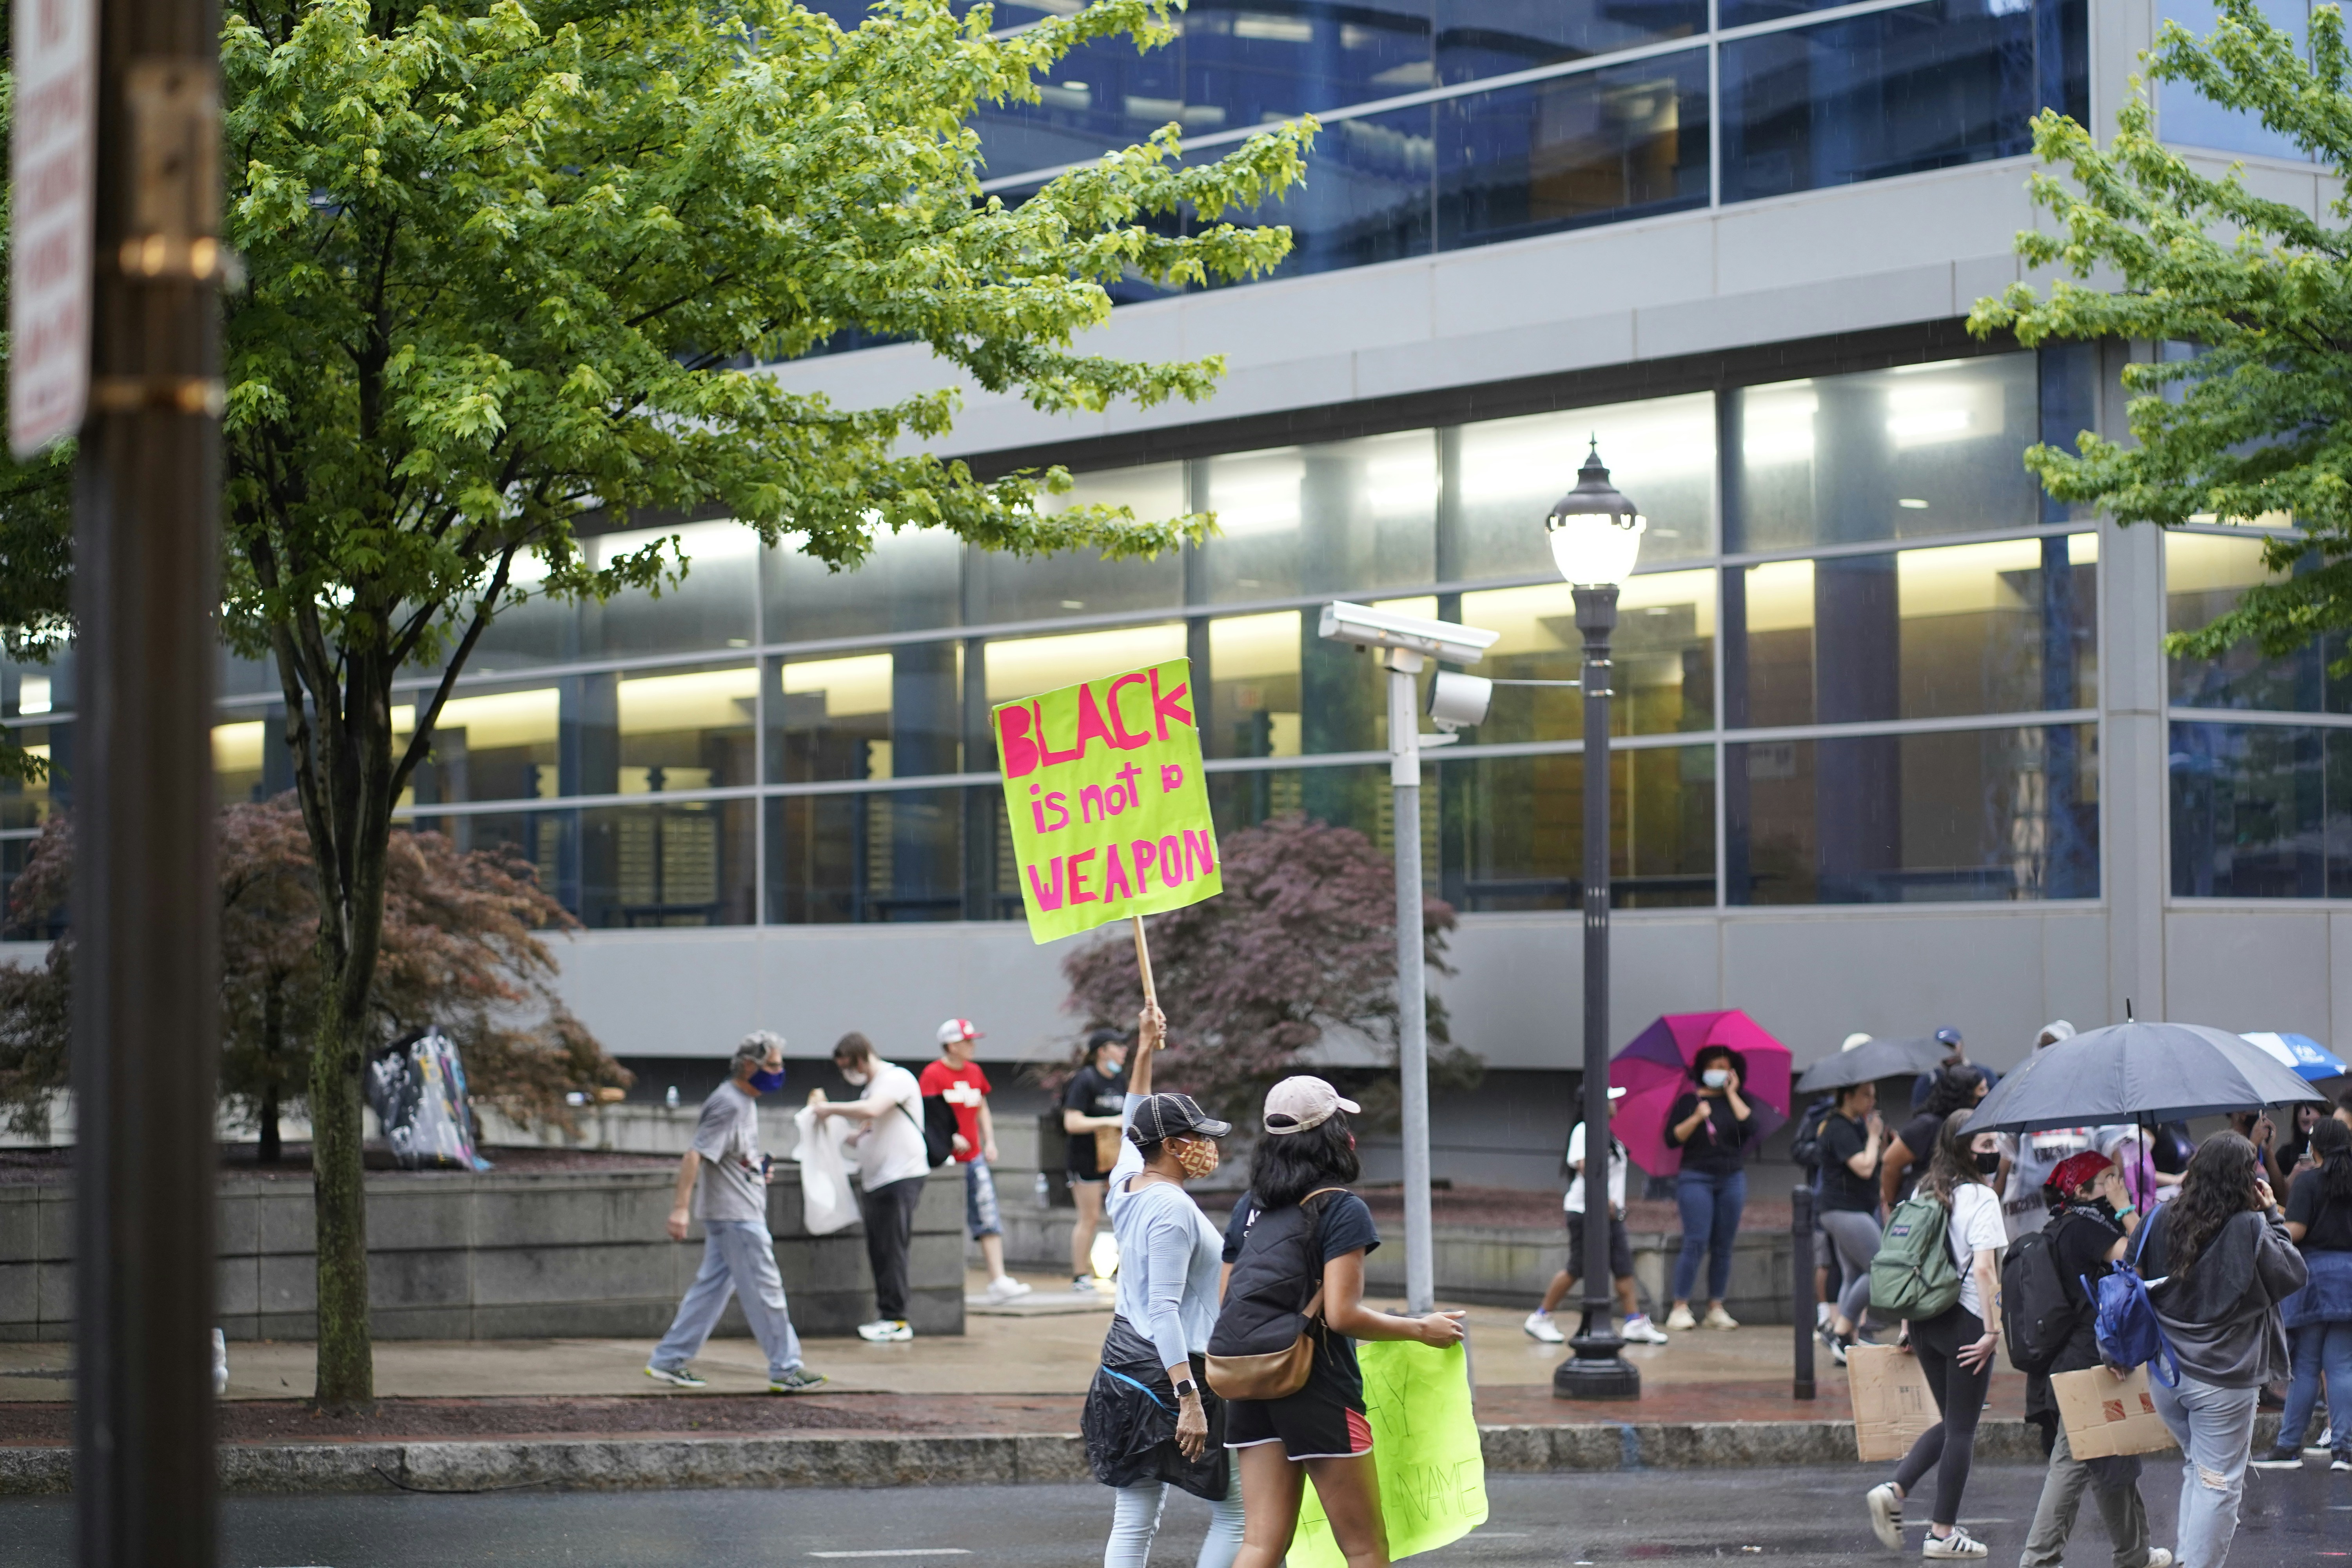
x,y
1800,1285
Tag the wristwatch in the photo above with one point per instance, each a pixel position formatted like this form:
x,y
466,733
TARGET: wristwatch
x,y
1188,1390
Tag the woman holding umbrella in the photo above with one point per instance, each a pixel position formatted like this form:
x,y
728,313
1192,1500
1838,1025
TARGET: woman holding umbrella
x,y
1712,1125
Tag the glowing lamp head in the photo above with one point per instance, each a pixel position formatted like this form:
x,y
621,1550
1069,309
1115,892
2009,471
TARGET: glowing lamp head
x,y
1595,533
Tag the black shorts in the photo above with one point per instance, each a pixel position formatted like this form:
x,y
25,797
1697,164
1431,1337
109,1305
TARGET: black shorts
x,y
1620,1250
1324,1420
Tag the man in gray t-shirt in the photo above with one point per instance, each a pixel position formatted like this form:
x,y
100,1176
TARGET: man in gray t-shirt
x,y
739,1254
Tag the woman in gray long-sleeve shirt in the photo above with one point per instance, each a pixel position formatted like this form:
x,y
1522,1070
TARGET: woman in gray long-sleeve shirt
x,y
1149,1419
2219,1261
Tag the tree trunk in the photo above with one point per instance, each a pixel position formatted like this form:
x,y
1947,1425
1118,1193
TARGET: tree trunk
x,y
273,1062
346,1370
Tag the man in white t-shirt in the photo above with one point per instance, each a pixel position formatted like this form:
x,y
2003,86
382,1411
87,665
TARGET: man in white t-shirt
x,y
1638,1327
892,1166
723,1181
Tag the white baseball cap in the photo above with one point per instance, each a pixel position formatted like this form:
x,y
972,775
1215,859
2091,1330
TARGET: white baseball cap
x,y
1296,1104
955,1031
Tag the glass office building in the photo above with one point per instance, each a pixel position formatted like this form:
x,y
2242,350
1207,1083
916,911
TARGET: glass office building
x,y
1897,744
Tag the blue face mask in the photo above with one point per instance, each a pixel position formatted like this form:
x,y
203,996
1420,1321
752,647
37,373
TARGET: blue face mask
x,y
768,1082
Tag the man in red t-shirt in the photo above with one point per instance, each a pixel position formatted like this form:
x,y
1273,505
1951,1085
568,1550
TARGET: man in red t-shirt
x,y
957,1079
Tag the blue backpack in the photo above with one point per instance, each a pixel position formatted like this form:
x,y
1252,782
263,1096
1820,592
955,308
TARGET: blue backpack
x,y
2129,1336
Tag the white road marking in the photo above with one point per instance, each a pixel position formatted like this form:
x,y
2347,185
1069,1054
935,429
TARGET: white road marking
x,y
901,1552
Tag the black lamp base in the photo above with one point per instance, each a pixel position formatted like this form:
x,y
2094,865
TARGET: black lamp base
x,y
1596,1370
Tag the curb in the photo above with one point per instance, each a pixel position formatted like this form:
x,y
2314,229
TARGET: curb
x,y
654,1463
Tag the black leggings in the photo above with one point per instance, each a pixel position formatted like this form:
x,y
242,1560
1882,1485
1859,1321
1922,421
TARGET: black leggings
x,y
1949,1445
889,1213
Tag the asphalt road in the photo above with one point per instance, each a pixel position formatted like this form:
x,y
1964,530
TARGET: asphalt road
x,y
1773,1516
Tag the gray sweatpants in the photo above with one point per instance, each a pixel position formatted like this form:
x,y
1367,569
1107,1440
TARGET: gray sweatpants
x,y
739,1259
2113,1482
1855,1237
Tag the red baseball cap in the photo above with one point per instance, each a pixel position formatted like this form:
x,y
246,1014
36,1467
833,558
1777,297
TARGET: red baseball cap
x,y
955,1031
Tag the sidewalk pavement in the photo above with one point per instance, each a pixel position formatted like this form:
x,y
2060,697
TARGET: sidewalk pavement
x,y
1001,1403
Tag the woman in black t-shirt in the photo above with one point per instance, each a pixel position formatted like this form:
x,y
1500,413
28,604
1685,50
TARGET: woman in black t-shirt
x,y
1322,1430
2318,1317
1852,1142
1711,1124
1907,1155
1092,1101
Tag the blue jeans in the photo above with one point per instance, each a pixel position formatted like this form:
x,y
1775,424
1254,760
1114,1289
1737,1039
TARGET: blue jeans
x,y
739,1259
2215,1428
2318,1347
980,1212
1710,1206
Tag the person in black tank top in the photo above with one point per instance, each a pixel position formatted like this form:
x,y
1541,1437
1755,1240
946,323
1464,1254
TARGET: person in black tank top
x,y
1313,1240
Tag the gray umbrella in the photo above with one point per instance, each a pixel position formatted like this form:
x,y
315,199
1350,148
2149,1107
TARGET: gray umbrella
x,y
2137,1072
1873,1060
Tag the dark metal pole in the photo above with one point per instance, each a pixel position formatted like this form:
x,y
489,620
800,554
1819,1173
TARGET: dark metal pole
x,y
146,902
1800,1285
1597,1370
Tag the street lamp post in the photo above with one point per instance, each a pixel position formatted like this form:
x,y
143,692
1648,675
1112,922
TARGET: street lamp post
x,y
1596,535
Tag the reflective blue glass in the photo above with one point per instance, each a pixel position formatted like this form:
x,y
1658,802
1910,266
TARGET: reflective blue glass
x,y
1513,830
1367,196
684,864
844,859
1494,37
1231,65
1893,92
2261,811
1973,815
2204,576
2185,116
1575,150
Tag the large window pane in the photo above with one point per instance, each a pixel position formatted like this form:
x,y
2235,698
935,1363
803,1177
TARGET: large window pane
x,y
1914,633
1514,830
1254,690
2261,811
498,746
1965,815
687,864
1367,196
892,714
532,630
1014,588
27,803
240,750
894,854
1664,651
1504,474
1892,454
22,925
2187,117
1354,797
28,690
711,608
1341,517
545,841
1596,147
1493,38
687,731
1893,92
2204,573
910,581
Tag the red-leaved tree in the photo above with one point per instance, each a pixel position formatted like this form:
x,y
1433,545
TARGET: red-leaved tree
x,y
464,948
1301,943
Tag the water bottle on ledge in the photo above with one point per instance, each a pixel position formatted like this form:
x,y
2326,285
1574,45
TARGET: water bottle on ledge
x,y
1044,1192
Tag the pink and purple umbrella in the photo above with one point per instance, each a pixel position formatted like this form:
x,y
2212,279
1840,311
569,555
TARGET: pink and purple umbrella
x,y
1655,1069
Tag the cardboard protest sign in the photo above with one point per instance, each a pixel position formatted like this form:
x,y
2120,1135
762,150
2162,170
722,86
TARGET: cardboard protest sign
x,y
1109,812
1892,1403
2106,1416
1425,1446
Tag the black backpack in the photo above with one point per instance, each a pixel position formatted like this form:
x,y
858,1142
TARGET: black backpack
x,y
1274,1280
1806,1149
2037,1315
937,1128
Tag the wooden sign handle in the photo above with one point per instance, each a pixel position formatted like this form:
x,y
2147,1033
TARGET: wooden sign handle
x,y
1143,963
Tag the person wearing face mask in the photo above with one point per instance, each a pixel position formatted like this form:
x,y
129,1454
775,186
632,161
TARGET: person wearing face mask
x,y
1711,1124
892,1164
1090,1104
723,1181
1151,1419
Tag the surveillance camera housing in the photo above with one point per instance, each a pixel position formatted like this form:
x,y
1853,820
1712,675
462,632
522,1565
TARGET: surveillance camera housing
x,y
1456,701
1391,632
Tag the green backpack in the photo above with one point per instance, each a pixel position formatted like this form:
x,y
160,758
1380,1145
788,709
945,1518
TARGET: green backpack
x,y
1913,1276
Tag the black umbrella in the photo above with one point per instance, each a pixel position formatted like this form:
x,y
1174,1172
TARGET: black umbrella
x,y
2137,1072
1873,1060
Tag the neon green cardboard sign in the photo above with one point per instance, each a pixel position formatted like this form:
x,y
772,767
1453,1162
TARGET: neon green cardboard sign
x,y
1425,1446
1109,812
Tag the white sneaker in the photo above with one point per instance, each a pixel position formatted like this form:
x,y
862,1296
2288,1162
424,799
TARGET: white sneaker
x,y
1539,1326
885,1330
1680,1321
1639,1330
1003,1289
1082,1285
1716,1318
1885,1515
1957,1546
677,1377
2157,1557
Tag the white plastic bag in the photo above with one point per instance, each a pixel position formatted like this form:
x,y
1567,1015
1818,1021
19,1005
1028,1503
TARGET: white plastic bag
x,y
826,1201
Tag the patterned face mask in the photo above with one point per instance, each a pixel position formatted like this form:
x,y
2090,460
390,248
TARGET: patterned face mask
x,y
1196,1157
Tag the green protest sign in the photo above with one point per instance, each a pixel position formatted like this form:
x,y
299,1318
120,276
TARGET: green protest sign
x,y
1109,812
1426,1445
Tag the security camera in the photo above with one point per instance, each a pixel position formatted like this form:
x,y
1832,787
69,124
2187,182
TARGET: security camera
x,y
1391,632
1456,701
